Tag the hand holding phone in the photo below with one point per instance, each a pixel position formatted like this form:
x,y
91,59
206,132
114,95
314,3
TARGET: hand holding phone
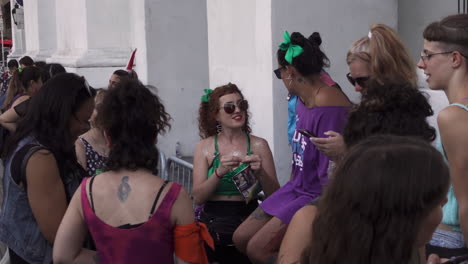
x,y
306,132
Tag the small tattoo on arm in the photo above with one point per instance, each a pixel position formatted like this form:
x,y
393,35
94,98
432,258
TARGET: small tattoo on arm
x,y
259,214
124,189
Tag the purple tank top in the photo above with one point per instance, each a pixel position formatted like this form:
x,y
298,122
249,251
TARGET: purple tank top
x,y
150,242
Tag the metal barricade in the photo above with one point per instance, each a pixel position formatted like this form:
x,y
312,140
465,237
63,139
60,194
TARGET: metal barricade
x,y
180,171
162,171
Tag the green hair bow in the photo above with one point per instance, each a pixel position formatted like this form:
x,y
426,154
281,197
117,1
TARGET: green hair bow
x,y
206,97
292,50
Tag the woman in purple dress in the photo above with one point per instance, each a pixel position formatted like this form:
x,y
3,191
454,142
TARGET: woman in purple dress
x,y
321,108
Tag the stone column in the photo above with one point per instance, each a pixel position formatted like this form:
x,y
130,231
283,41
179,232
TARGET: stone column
x,y
93,37
18,35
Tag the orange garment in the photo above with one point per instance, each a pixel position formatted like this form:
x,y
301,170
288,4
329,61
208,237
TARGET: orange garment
x,y
189,242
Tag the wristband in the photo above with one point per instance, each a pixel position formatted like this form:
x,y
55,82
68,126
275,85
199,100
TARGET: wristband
x,y
216,173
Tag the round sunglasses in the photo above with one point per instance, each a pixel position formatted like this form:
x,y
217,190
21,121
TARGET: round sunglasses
x,y
359,80
230,107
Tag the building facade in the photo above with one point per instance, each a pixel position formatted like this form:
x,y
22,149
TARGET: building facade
x,y
185,46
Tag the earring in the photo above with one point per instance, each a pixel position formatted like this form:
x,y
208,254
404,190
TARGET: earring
x,y
219,128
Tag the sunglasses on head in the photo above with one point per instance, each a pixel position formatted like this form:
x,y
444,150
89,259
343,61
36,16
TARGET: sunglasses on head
x,y
278,72
361,81
230,107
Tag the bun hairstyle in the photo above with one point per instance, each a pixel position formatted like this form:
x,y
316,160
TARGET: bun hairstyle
x,y
312,60
452,31
387,56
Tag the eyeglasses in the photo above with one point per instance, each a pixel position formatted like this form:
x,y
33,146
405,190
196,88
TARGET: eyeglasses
x,y
361,81
425,57
278,72
230,107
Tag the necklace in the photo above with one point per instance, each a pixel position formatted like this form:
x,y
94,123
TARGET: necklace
x,y
311,100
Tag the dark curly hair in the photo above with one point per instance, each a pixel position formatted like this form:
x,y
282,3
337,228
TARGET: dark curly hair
x,y
372,210
49,113
208,110
132,117
389,108
309,62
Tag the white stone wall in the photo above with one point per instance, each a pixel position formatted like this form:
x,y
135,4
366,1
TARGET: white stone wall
x,y
185,46
240,51
177,56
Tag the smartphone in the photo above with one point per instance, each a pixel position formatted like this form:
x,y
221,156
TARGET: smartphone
x,y
306,132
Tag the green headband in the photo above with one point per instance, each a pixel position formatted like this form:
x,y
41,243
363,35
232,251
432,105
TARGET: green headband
x,y
206,97
292,50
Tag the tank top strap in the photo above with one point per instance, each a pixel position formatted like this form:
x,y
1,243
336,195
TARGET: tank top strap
x,y
461,106
87,210
164,209
249,152
85,142
216,145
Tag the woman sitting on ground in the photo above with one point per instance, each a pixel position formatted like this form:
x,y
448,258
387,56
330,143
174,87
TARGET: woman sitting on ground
x,y
133,215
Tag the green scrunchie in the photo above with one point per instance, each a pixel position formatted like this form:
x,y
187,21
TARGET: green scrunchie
x,y
292,50
20,69
206,97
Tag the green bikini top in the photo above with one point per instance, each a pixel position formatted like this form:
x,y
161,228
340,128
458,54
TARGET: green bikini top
x,y
226,186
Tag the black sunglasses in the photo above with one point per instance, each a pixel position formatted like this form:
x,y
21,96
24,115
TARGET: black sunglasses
x,y
230,107
278,72
361,81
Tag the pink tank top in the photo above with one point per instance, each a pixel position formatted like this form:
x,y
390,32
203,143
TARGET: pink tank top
x,y
152,242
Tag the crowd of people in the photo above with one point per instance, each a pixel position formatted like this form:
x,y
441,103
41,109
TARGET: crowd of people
x,y
81,183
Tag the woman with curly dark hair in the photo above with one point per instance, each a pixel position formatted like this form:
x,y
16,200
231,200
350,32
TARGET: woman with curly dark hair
x,y
319,108
383,203
390,108
133,215
226,147
41,172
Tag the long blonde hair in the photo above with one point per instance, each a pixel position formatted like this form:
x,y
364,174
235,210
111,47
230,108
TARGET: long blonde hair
x,y
387,56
